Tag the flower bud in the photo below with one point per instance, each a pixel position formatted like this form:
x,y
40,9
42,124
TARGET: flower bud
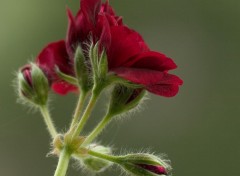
x,y
124,99
144,165
33,85
97,164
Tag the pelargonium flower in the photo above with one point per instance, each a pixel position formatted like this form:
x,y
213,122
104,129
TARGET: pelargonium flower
x,y
128,55
91,23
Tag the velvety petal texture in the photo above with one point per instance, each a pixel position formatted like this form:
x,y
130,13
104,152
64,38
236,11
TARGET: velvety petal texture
x,y
125,44
157,82
55,54
52,56
128,55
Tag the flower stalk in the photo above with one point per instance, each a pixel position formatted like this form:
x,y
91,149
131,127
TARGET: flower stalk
x,y
48,121
79,109
97,130
107,157
63,163
86,115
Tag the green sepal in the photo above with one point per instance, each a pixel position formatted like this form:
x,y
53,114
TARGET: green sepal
x,y
40,84
69,79
97,164
113,78
93,55
143,158
103,65
82,71
124,99
99,63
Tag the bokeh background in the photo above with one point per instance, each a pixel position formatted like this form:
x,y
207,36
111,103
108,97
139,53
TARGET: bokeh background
x,y
198,129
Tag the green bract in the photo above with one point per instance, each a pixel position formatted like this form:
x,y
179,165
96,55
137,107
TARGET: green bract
x,y
82,70
97,164
124,99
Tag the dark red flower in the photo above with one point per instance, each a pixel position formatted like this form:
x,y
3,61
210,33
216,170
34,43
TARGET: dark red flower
x,y
128,55
91,23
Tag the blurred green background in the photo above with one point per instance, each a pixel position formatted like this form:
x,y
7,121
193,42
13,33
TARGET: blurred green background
x,y
198,129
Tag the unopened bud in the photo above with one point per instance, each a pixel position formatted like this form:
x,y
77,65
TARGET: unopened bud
x,y
124,99
33,85
144,165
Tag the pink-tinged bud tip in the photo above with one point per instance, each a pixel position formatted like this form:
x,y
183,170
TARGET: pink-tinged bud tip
x,y
26,71
155,169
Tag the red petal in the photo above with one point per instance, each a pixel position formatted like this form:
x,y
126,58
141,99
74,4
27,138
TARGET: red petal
x,y
164,90
160,83
125,44
103,31
106,8
110,14
62,88
90,9
152,60
84,27
27,73
72,37
55,54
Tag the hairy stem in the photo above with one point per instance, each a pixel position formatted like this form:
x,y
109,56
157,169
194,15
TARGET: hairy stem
x,y
99,128
86,114
111,158
63,162
79,109
48,121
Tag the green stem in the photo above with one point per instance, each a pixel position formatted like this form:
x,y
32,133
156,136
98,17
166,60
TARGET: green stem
x,y
63,162
99,128
78,109
111,158
48,121
86,114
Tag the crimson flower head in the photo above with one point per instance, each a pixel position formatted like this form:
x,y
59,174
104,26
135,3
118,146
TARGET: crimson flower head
x,y
128,56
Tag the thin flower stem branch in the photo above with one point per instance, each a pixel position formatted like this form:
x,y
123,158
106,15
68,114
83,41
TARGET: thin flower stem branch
x,y
99,128
79,109
111,158
48,121
63,162
86,115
